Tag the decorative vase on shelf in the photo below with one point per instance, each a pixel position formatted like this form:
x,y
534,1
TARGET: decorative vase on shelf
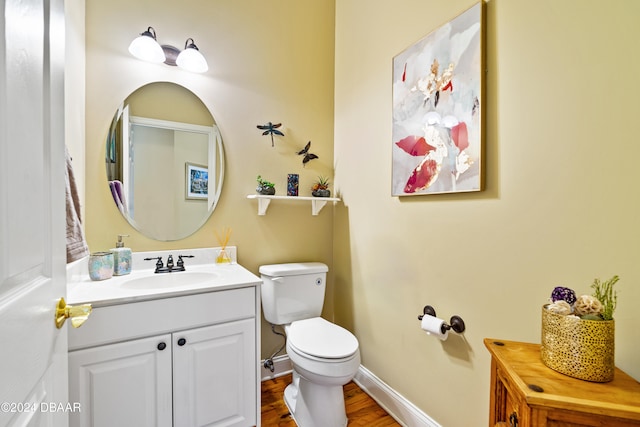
x,y
321,193
292,184
266,191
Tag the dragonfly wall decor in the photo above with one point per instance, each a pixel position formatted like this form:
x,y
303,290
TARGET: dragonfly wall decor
x,y
271,129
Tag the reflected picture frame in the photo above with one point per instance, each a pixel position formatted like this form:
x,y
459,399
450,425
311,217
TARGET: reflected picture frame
x,y
197,182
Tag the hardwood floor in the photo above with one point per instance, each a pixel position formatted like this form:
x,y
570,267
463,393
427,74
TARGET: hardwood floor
x,y
362,410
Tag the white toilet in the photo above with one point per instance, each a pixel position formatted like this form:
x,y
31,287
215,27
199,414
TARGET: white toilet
x,y
324,356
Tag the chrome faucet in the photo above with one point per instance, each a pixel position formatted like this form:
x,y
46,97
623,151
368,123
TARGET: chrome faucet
x,y
180,263
159,263
160,267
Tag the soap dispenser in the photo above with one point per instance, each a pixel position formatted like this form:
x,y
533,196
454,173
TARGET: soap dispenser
x,y
121,257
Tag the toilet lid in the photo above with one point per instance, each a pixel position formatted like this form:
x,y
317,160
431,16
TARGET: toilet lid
x,y
320,338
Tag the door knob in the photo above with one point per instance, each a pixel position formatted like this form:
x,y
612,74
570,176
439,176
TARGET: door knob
x,y
78,314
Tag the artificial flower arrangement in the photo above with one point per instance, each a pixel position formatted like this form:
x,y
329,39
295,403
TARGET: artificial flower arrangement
x,y
578,332
598,306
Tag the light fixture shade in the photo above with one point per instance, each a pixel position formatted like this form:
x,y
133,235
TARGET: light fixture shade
x,y
191,59
146,47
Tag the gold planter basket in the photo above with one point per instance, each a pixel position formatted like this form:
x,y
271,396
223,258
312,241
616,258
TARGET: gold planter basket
x,y
582,349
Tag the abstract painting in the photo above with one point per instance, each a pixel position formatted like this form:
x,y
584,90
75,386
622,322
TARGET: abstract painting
x,y
437,110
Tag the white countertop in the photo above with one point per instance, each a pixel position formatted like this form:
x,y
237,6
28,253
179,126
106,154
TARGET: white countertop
x,y
201,275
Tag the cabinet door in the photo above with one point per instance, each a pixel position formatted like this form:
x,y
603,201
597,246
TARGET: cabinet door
x,y
507,408
124,384
214,375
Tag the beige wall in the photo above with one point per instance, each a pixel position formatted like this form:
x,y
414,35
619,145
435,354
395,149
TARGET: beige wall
x,y
266,63
561,197
560,206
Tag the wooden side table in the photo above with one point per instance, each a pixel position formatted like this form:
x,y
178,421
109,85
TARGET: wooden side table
x,y
526,393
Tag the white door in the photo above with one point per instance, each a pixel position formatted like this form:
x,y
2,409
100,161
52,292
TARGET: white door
x,y
33,360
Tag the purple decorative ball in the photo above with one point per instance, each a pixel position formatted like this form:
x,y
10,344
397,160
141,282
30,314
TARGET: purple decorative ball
x,y
564,294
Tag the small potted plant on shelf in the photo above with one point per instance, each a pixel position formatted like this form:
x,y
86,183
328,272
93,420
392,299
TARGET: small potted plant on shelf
x,y
265,187
321,187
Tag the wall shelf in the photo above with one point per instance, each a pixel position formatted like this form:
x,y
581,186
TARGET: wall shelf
x,y
317,203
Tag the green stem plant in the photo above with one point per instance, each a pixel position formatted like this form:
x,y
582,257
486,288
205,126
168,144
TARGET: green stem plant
x,y
604,292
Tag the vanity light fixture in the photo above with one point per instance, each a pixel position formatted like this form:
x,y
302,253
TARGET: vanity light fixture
x,y
147,48
191,59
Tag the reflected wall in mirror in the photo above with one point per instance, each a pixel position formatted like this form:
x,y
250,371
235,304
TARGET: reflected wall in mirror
x,y
165,162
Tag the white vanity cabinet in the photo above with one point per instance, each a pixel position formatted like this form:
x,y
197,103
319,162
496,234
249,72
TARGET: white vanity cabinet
x,y
182,361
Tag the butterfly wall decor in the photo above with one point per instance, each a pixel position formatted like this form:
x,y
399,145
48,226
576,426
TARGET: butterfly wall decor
x,y
271,129
307,155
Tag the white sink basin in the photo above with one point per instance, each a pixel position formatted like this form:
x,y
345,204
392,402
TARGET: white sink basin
x,y
170,280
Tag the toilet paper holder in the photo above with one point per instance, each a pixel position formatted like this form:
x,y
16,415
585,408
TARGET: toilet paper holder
x,y
455,323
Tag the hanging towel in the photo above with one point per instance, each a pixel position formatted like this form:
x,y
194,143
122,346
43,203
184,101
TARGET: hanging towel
x,y
118,195
76,244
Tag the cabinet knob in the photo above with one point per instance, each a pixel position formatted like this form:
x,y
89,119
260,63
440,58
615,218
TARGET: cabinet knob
x,y
182,342
162,346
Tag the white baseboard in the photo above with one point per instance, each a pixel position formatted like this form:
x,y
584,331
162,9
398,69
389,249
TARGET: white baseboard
x,y
403,411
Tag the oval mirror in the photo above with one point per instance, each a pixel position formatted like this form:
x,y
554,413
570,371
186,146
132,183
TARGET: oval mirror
x,y
164,160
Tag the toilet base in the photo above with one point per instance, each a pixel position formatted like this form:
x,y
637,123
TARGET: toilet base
x,y
314,405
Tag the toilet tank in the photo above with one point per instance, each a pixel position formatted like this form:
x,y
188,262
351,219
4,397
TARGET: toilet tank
x,y
292,291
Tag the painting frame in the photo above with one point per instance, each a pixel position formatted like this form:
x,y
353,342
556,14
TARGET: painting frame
x,y
438,90
197,181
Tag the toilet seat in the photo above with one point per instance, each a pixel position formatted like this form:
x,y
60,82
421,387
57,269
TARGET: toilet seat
x,y
322,339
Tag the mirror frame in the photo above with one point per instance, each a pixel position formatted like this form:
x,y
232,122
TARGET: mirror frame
x,y
215,157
